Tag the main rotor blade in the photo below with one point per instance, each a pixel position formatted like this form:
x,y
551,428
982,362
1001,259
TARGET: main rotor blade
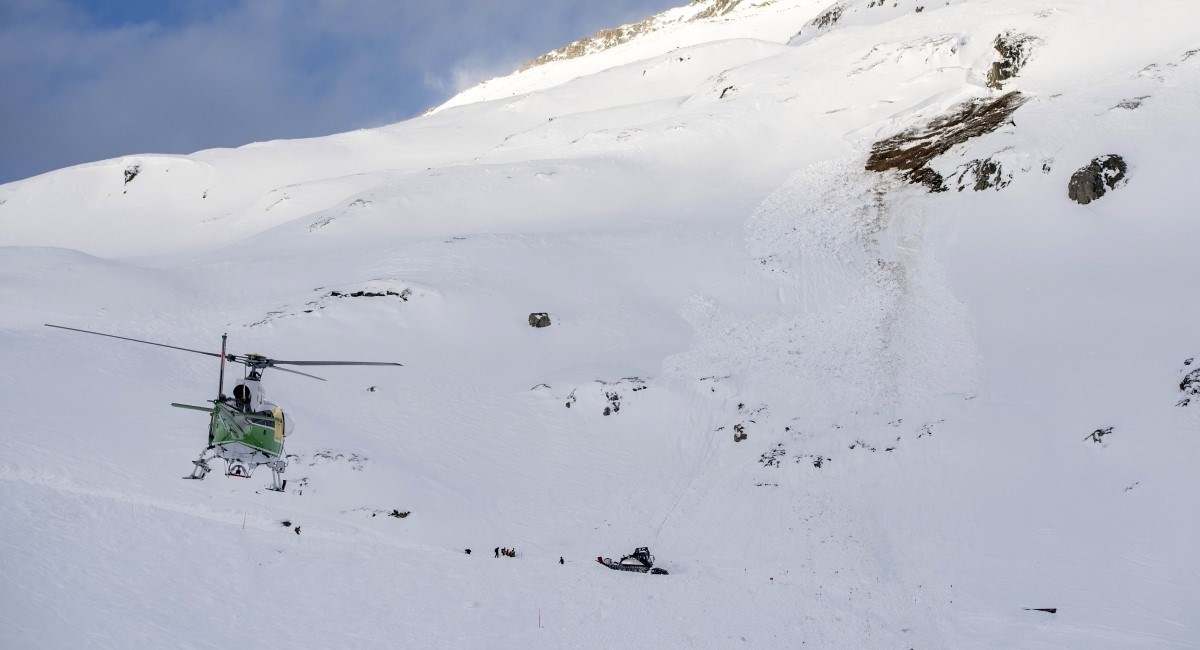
x,y
275,362
297,372
206,409
126,338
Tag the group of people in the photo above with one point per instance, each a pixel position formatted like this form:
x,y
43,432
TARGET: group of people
x,y
506,552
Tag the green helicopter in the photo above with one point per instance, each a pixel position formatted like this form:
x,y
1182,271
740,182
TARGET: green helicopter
x,y
244,429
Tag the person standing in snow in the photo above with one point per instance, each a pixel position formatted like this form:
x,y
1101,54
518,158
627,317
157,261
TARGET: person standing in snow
x,y
497,551
560,560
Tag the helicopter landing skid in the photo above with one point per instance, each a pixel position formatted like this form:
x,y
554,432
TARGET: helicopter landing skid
x,y
200,470
277,483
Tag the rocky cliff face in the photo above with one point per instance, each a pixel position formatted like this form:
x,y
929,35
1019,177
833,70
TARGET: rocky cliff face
x,y
608,38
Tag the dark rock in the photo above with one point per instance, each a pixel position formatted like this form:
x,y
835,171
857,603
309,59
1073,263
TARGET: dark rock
x,y
1191,383
1092,182
773,457
911,151
739,433
614,399
539,319
829,17
132,171
1133,103
1014,50
982,175
1098,435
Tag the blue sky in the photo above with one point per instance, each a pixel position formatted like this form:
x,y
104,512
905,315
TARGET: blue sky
x,y
83,81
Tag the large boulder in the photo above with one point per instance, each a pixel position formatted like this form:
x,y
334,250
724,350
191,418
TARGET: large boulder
x,y
539,319
1092,182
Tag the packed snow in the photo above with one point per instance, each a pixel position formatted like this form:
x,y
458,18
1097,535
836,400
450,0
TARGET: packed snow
x,y
951,409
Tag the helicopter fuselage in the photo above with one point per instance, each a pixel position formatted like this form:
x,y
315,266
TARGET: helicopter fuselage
x,y
251,438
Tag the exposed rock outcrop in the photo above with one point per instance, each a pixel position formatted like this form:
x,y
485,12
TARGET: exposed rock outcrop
x,y
909,152
609,38
539,319
829,17
1092,182
1132,103
1015,50
980,175
1190,384
716,9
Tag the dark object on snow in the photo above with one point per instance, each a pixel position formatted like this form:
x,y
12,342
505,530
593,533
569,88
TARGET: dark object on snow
x,y
1098,434
539,319
560,560
131,173
297,529
1050,610
398,515
640,561
1191,382
286,523
467,551
1092,182
497,551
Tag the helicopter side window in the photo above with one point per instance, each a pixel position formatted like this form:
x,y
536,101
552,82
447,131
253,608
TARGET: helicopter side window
x,y
241,393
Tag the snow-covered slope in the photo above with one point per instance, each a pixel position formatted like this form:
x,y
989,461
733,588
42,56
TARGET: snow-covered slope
x,y
921,383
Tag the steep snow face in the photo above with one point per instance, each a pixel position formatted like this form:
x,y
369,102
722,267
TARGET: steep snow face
x,y
840,408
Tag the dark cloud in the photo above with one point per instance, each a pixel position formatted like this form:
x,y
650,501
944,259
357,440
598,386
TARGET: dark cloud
x,y
86,81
